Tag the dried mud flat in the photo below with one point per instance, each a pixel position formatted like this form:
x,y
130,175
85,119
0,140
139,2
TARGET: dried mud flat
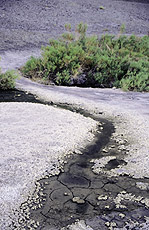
x,y
34,139
106,184
85,186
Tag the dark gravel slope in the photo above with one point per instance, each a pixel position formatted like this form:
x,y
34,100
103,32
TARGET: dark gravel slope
x,y
28,23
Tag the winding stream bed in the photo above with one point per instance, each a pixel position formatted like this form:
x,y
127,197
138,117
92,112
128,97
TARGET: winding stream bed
x,y
78,193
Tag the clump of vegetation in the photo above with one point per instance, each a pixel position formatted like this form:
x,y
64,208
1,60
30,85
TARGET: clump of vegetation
x,y
7,80
101,8
76,59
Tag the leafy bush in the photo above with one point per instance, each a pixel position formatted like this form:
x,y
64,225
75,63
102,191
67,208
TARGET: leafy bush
x,y
75,59
7,80
137,78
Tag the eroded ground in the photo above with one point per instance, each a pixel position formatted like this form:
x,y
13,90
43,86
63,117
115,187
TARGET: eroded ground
x,y
79,193
86,190
82,192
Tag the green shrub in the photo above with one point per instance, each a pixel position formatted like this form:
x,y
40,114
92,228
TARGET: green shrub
x,y
7,80
137,77
33,66
75,59
139,82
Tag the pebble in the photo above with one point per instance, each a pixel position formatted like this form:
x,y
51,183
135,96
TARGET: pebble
x,y
122,215
105,150
102,197
65,194
78,151
78,200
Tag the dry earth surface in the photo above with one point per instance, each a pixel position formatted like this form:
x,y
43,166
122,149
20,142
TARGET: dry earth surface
x,y
27,24
33,138
129,114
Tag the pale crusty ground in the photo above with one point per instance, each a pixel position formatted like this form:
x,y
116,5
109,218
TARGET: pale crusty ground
x,y
79,225
128,112
131,118
34,138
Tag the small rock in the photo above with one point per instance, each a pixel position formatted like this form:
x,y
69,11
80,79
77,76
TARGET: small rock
x,y
78,200
122,215
65,194
105,151
102,197
107,224
78,151
46,182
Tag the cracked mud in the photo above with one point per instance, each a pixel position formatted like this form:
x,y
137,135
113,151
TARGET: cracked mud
x,y
78,193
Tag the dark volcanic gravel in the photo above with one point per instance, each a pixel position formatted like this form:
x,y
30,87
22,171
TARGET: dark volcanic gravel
x,y
29,23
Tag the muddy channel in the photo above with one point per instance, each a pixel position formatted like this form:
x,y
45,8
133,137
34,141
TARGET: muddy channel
x,y
78,193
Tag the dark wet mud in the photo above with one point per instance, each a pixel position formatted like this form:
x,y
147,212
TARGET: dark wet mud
x,y
17,96
78,193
